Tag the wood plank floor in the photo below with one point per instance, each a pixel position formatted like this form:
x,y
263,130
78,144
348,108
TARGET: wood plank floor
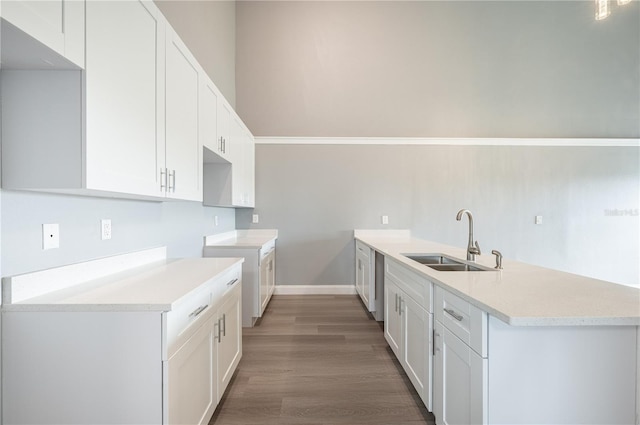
x,y
318,360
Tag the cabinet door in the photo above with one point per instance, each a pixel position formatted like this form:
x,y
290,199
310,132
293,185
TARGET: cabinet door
x,y
58,24
416,351
192,379
224,126
123,46
360,274
209,118
460,384
183,149
238,164
392,316
267,271
229,338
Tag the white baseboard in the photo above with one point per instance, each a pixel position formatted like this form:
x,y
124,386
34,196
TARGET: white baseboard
x,y
315,290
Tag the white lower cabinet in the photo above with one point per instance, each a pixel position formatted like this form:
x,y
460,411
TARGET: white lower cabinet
x,y
258,270
117,367
488,372
229,345
459,381
408,325
192,377
365,276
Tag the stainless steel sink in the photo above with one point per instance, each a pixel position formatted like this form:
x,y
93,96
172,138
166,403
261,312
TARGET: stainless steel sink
x,y
428,259
456,268
444,263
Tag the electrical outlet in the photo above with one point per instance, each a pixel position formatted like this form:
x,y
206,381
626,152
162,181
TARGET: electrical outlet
x,y
105,225
538,219
50,236
385,219
255,219
215,220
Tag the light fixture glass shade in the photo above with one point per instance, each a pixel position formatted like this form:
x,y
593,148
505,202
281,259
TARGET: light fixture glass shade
x,y
623,2
602,9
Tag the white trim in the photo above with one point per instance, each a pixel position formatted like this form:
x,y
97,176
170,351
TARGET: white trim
x,y
486,141
315,290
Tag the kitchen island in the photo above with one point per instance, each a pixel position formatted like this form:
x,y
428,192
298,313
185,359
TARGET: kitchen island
x,y
523,344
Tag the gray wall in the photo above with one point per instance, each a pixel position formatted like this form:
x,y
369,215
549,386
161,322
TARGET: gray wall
x,y
209,29
317,194
438,69
181,226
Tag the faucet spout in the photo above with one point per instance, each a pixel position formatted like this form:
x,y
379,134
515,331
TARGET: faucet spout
x,y
472,249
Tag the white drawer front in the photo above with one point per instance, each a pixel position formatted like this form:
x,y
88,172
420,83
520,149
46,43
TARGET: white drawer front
x,y
226,282
414,285
363,249
192,309
463,319
267,248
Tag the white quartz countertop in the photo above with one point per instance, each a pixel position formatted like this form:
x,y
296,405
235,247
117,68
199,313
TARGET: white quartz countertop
x,y
521,294
156,286
253,238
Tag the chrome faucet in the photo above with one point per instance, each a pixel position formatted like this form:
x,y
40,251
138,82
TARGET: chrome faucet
x,y
472,250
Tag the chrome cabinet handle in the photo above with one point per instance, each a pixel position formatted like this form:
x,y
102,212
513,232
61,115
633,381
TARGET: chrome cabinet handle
x,y
219,332
224,325
396,302
198,310
163,179
454,314
172,181
400,306
232,282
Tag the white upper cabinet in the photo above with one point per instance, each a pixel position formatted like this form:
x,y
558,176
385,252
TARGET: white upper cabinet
x,y
183,147
231,183
124,141
211,101
58,24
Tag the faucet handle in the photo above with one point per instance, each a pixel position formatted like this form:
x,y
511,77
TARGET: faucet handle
x,y
478,248
498,259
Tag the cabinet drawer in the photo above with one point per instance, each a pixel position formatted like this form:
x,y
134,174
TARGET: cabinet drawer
x,y
226,282
267,249
363,249
193,308
414,285
463,319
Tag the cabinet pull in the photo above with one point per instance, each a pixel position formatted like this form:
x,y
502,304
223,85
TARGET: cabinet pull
x,y
172,181
219,332
163,179
232,282
224,325
454,314
271,265
400,306
396,303
198,310
433,342
359,264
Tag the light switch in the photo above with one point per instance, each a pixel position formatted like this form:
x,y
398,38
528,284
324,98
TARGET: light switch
x,y
255,219
385,219
50,236
215,220
538,219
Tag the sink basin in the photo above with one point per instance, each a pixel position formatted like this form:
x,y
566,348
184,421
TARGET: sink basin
x,y
428,259
457,268
444,263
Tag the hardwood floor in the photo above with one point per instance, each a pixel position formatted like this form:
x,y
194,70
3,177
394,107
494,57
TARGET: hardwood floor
x,y
318,360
